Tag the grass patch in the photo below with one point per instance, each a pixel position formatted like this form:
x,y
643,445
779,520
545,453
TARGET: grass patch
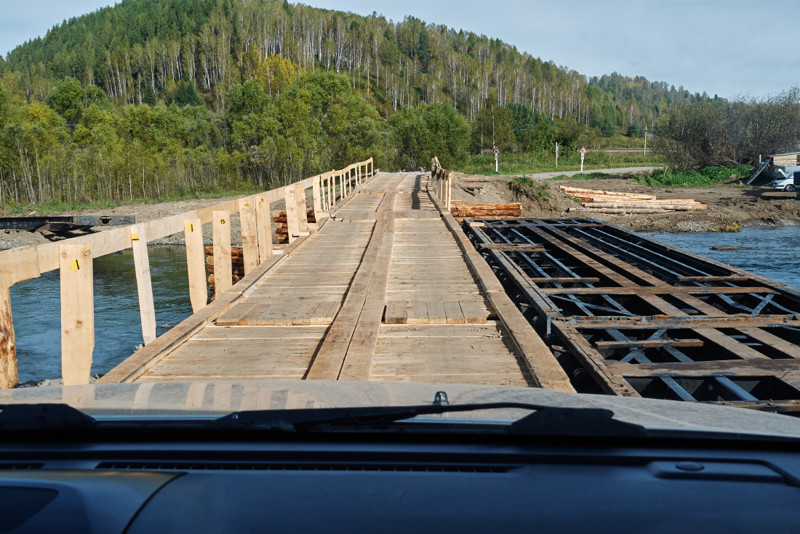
x,y
528,163
525,187
705,177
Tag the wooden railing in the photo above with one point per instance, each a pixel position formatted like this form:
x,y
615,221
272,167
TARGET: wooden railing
x,y
441,182
73,257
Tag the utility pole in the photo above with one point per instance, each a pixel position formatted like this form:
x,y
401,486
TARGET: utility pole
x,y
645,139
556,154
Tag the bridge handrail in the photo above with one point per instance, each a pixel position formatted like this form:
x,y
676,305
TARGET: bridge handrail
x,y
442,181
73,257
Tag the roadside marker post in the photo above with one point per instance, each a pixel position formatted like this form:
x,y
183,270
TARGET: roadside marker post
x,y
496,161
583,155
556,154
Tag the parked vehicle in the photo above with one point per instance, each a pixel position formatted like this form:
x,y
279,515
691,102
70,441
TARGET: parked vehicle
x,y
784,184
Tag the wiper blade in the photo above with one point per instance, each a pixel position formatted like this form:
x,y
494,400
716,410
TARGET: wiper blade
x,y
545,420
44,417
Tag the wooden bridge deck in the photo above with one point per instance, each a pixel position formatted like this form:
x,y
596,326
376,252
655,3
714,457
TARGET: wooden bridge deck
x,y
385,290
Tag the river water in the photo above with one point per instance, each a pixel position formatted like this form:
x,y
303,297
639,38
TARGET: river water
x,y
35,306
35,303
776,255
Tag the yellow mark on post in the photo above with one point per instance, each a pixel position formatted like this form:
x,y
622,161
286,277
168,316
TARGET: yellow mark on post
x,y
134,237
222,221
189,227
246,204
74,265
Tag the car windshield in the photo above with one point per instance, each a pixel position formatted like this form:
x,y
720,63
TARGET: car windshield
x,y
199,225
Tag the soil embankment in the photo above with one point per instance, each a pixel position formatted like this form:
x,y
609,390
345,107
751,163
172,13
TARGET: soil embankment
x,y
729,205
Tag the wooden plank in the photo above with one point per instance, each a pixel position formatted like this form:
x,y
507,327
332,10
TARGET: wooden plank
x,y
249,231
655,290
233,316
649,344
436,313
325,312
195,264
302,209
18,265
474,313
144,284
9,376
223,275
455,315
540,362
329,360
512,247
417,312
292,215
77,314
771,340
358,360
564,280
728,343
396,312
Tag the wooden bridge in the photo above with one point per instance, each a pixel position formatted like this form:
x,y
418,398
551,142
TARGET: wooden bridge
x,y
385,286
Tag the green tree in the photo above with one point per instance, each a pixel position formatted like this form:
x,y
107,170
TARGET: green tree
x,y
67,98
492,128
187,95
418,134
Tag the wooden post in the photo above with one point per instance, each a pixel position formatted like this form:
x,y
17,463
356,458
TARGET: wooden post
x,y
195,263
292,217
77,314
9,375
329,182
247,223
302,209
144,284
264,221
449,189
317,194
223,275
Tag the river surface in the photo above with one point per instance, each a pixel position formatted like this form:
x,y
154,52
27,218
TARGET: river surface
x,y
35,306
777,254
35,303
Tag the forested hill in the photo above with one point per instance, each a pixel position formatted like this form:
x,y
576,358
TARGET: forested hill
x,y
141,50
157,98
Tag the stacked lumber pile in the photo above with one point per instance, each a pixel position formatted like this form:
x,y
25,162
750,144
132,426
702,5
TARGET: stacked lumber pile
x,y
462,210
237,266
282,229
618,203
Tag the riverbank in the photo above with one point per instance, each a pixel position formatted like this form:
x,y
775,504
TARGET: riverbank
x,y
143,213
730,205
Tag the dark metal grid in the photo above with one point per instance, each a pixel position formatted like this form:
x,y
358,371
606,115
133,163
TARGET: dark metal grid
x,y
631,311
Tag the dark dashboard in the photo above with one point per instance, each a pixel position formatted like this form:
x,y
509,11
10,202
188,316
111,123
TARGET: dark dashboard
x,y
147,482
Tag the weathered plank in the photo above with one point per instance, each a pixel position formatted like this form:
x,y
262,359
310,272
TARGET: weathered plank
x,y
77,314
144,284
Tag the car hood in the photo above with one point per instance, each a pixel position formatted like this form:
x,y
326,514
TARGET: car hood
x,y
198,398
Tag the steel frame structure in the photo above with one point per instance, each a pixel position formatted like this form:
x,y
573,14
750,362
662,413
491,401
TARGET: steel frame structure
x,y
627,315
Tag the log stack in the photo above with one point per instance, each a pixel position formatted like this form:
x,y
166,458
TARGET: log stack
x,y
237,266
461,210
618,203
282,229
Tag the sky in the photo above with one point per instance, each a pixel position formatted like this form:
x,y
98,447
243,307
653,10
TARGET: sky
x,y
712,46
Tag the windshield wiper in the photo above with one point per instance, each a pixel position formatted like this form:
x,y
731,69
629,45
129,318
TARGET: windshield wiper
x,y
44,417
545,420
